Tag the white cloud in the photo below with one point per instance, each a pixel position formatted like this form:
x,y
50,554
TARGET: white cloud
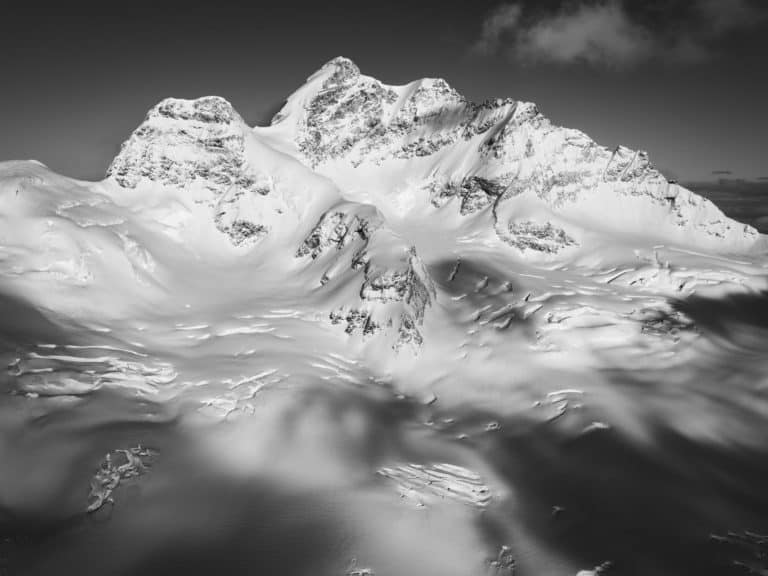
x,y
503,19
722,16
600,34
604,32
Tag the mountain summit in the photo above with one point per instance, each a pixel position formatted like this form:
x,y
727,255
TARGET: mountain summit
x,y
426,146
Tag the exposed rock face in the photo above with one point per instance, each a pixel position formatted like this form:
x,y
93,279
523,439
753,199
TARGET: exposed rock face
x,y
409,284
117,467
358,118
394,297
345,111
545,238
236,211
473,192
396,288
338,228
355,320
185,142
196,143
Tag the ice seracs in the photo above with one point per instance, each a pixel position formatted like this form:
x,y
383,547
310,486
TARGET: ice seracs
x,y
118,466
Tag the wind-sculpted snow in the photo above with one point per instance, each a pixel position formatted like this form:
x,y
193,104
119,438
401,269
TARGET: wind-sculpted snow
x,y
419,482
80,370
394,332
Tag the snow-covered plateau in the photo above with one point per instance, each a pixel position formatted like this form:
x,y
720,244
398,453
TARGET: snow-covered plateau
x,y
393,332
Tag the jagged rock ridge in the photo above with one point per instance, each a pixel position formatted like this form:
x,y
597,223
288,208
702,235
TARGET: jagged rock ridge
x,y
395,289
481,153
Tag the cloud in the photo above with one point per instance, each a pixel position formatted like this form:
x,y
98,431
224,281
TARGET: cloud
x,y
723,16
503,19
613,32
595,33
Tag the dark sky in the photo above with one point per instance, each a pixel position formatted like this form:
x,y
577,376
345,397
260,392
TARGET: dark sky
x,y
685,80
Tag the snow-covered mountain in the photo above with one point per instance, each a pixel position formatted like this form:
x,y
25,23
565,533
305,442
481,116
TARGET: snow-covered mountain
x,y
418,152
355,183
359,180
418,257
425,142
